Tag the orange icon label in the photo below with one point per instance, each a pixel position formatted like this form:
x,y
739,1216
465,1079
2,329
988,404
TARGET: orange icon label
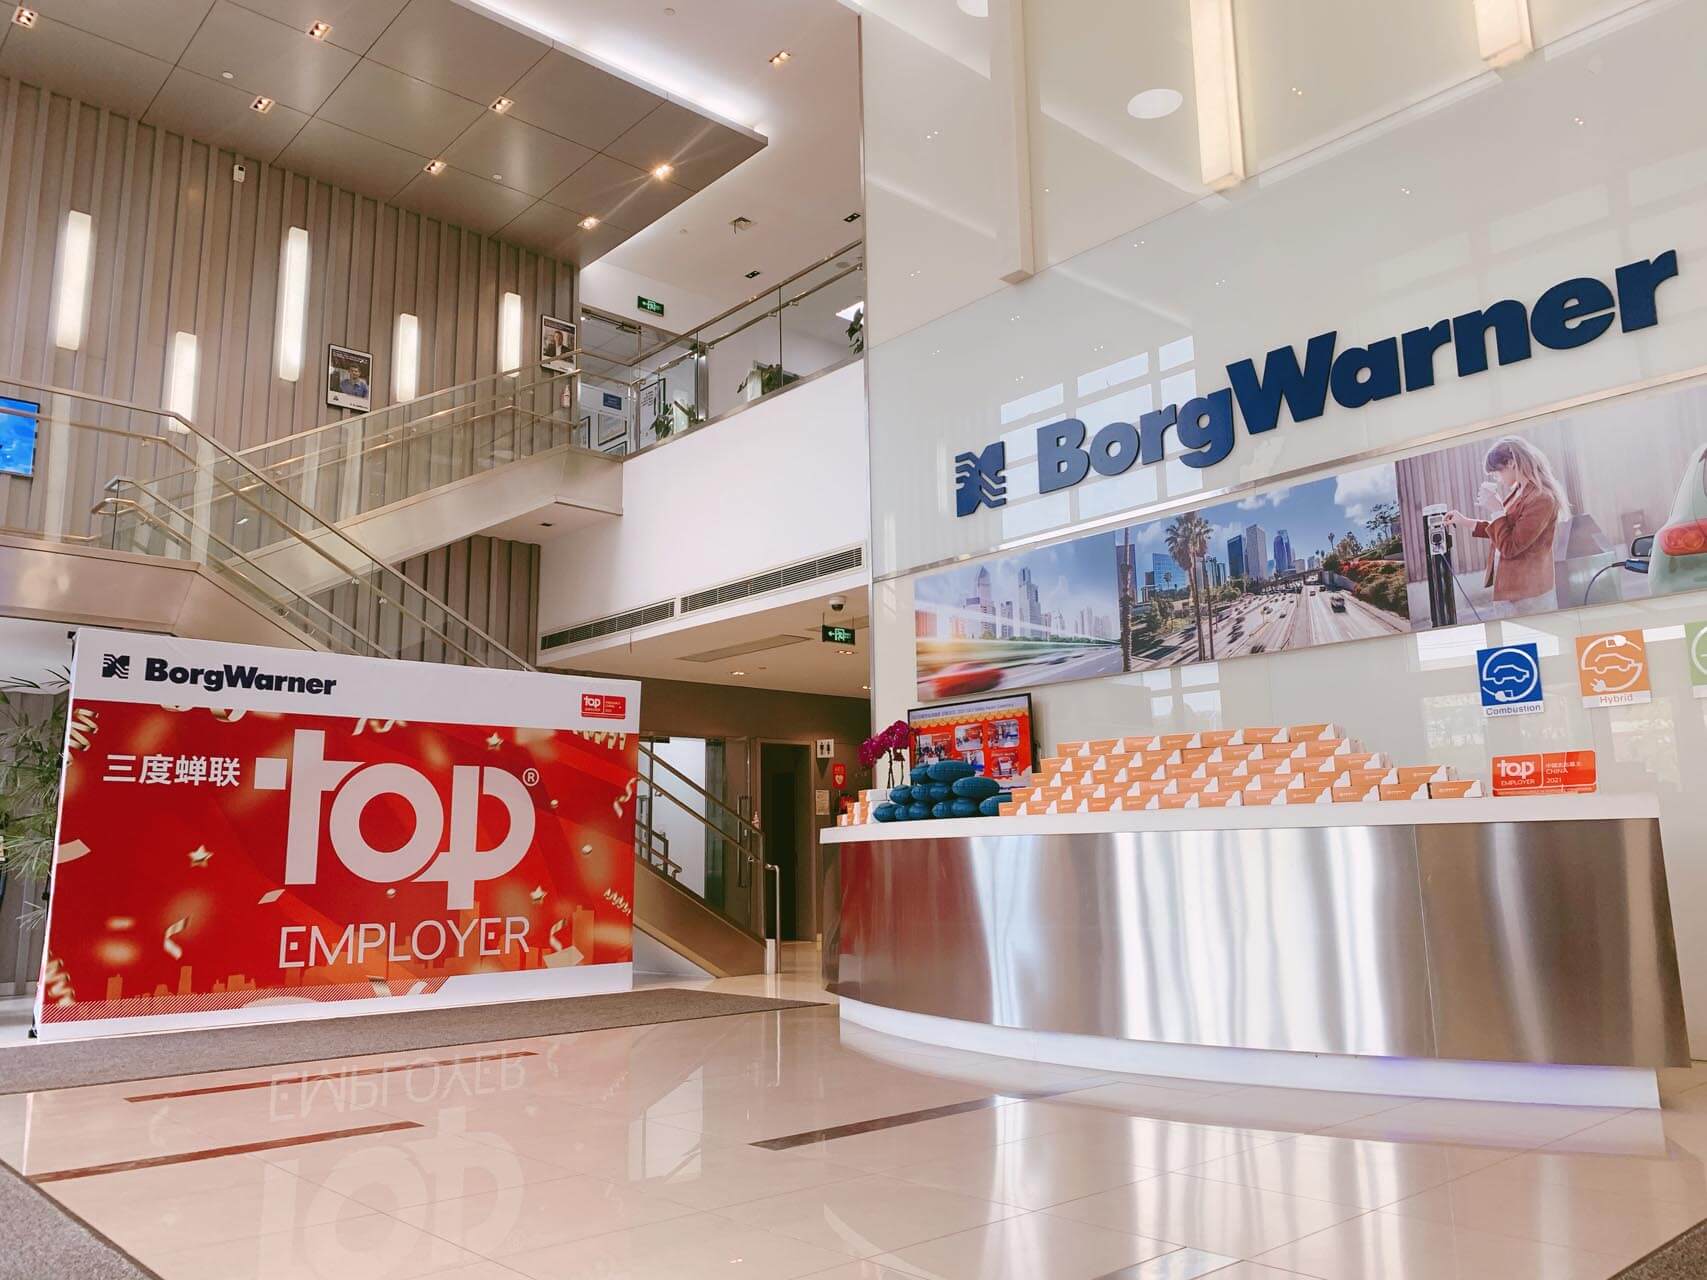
x,y
1612,669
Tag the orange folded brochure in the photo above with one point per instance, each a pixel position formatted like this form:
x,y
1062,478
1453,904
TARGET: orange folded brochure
x,y
1317,748
1071,749
1102,746
1269,780
1101,804
1052,764
1420,774
1278,751
1146,787
1306,765
1455,789
1170,800
1174,741
1354,795
1195,755
1216,799
1399,791
1312,732
1215,738
1251,796
1361,778
1257,735
1137,742
1187,786
1218,769
1046,795
1308,787
1234,751
1179,769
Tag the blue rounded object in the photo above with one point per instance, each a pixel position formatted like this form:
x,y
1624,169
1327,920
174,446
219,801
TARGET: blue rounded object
x,y
935,793
946,771
991,806
884,813
917,812
975,788
901,795
943,809
920,773
964,808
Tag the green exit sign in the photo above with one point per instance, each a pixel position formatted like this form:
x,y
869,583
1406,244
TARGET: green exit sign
x,y
649,304
837,635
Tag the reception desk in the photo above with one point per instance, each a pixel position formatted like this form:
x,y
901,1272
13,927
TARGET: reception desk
x,y
1515,949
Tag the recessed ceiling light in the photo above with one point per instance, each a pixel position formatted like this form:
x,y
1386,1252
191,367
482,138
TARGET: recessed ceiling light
x,y
261,104
779,57
662,171
1577,120
545,524
1297,92
588,223
226,75
497,177
1153,104
852,217
22,17
737,673
1404,191
754,275
319,30
501,105
434,166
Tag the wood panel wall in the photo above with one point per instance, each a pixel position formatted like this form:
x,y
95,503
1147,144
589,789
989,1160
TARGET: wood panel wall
x,y
180,246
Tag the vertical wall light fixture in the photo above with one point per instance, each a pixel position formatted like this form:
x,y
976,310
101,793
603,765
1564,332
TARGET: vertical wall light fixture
x,y
1215,67
181,377
293,302
406,358
71,298
1503,33
510,332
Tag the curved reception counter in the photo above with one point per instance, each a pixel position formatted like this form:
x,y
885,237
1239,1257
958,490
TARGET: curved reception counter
x,y
1511,949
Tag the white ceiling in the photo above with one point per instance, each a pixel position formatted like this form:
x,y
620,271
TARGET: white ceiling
x,y
793,657
716,53
397,83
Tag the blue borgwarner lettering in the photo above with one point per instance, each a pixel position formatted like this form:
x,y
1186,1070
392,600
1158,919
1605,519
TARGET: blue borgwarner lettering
x,y
1571,314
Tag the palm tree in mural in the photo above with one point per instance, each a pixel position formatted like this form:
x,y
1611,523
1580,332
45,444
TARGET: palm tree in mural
x,y
1188,543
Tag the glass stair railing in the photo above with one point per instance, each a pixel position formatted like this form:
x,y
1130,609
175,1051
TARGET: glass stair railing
x,y
181,495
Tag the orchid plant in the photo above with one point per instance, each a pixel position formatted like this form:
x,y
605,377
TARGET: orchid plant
x,y
886,744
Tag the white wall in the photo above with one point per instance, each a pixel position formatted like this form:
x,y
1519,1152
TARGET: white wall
x,y
776,483
613,289
684,827
1590,154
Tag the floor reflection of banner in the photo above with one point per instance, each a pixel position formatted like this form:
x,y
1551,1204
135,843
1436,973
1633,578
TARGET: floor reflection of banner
x,y
1557,514
253,834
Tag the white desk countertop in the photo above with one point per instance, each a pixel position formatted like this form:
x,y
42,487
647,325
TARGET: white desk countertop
x,y
1370,813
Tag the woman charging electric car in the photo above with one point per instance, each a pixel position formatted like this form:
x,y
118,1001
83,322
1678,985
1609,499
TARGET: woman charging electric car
x,y
1523,504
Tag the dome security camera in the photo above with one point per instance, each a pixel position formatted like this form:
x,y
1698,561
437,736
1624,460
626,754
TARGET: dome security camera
x,y
838,603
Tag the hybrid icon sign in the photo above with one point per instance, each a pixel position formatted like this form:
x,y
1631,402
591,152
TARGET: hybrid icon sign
x,y
1612,669
1695,640
1510,680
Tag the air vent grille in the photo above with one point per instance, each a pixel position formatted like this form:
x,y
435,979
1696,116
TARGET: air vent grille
x,y
775,579
663,611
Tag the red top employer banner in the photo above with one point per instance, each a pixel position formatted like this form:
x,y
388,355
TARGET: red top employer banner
x,y
251,833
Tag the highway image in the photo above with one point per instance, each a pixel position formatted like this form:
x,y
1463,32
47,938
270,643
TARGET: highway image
x,y
1294,615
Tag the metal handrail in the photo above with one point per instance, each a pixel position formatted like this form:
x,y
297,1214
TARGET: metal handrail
x,y
217,447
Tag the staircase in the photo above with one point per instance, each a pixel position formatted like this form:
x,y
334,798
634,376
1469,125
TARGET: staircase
x,y
279,535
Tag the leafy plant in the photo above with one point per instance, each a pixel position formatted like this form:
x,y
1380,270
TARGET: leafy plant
x,y
32,748
856,331
772,377
664,425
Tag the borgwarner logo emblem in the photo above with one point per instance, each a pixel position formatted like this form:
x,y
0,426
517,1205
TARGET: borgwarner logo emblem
x,y
981,480
115,666
459,863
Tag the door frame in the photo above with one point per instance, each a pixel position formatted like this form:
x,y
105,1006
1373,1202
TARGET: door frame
x,y
808,831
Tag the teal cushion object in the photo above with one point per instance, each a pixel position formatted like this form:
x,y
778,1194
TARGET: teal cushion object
x,y
991,806
935,793
976,788
920,773
916,812
951,770
964,808
901,795
944,809
884,813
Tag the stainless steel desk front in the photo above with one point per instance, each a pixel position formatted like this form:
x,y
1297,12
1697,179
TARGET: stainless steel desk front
x,y
1532,941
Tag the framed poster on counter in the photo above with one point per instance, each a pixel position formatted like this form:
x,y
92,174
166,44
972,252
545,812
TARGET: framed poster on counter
x,y
993,735
252,834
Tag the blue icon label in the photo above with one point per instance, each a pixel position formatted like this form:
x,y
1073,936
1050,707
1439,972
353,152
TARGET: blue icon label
x,y
1510,679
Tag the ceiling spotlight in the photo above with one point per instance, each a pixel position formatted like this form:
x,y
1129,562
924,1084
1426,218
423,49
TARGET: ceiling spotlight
x,y
262,105
737,673
226,75
588,223
1153,104
754,275
501,105
319,30
497,177
779,57
434,167
662,171
22,17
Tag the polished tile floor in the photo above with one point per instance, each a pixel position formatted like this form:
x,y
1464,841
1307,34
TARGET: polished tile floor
x,y
631,1153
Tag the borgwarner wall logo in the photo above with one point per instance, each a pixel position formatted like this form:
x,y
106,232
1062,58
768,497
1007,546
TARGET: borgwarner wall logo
x,y
1571,314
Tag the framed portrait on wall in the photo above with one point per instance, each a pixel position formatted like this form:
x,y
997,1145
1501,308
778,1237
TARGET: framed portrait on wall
x,y
349,378
557,345
651,403
612,430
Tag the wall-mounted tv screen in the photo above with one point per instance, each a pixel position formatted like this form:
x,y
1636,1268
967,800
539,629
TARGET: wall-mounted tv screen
x,y
18,436
993,735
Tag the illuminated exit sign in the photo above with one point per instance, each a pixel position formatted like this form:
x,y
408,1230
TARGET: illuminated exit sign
x,y
836,635
649,304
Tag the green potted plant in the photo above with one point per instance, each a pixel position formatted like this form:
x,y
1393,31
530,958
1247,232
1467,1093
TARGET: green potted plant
x,y
673,416
856,331
762,379
32,743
